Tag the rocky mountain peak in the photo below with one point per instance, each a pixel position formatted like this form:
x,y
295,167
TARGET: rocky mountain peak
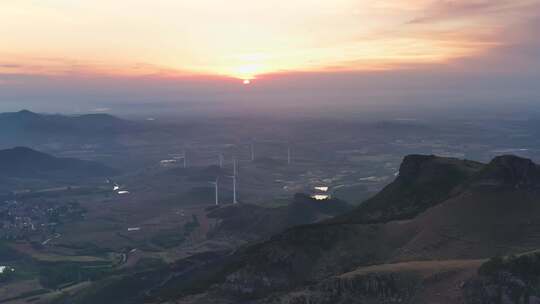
x,y
412,164
510,170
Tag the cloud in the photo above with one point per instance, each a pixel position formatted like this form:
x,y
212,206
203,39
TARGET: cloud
x,y
10,65
518,55
452,10
56,66
101,110
244,40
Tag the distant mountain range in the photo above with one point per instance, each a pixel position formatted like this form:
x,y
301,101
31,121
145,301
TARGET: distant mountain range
x,y
22,162
25,127
27,120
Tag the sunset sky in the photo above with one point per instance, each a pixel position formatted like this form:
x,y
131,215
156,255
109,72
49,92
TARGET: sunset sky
x,y
57,49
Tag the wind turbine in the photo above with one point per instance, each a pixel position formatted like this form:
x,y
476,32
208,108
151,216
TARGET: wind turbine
x,y
234,189
252,152
216,187
184,158
234,166
220,160
288,155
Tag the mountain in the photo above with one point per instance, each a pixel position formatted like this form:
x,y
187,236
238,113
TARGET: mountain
x,y
26,127
22,162
428,230
426,238
28,120
423,181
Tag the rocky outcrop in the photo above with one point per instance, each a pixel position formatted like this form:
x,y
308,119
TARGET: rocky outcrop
x,y
411,166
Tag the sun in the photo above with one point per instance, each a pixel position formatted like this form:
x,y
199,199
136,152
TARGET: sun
x,y
246,72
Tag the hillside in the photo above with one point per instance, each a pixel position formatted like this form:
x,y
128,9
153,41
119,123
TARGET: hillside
x,y
24,162
482,211
253,222
420,240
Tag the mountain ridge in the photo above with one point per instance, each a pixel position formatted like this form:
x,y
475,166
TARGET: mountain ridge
x,y
24,162
26,128
422,182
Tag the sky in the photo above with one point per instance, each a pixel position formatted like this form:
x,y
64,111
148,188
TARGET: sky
x,y
197,55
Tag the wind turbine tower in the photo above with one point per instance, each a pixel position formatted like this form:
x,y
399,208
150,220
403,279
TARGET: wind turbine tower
x,y
234,189
288,155
220,160
216,190
184,158
252,152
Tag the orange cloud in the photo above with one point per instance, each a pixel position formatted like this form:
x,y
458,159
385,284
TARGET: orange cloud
x,y
245,39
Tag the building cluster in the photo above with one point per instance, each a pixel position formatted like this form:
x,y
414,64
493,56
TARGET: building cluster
x,y
20,219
